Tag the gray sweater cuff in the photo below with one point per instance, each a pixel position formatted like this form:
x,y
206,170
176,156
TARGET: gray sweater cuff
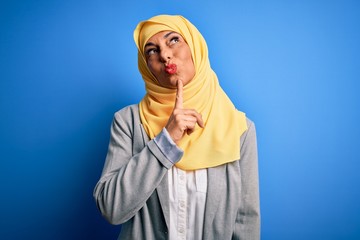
x,y
168,147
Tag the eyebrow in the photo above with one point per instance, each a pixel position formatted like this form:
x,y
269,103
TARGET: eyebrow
x,y
149,44
165,36
168,34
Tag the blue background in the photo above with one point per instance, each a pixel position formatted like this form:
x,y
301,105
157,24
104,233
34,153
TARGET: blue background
x,y
67,66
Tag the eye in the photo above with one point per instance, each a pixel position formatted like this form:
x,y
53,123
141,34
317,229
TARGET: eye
x,y
151,51
174,40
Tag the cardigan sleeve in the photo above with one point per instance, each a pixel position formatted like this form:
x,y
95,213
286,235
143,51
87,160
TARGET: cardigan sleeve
x,y
247,226
128,179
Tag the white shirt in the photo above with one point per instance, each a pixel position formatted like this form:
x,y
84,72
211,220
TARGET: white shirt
x,y
187,195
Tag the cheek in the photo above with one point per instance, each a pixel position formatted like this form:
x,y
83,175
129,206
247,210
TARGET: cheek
x,y
149,64
152,67
187,57
190,63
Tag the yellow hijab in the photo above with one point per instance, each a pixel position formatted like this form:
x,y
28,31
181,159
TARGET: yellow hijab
x,y
219,141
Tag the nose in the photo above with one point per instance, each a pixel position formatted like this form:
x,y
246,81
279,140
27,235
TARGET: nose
x,y
165,54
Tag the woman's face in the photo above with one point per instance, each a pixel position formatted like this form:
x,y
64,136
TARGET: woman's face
x,y
169,58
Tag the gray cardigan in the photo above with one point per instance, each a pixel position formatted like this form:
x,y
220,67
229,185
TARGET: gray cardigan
x,y
133,188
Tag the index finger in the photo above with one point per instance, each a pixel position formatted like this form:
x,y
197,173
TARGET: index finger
x,y
179,95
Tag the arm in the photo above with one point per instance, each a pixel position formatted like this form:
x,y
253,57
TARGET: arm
x,y
128,179
248,217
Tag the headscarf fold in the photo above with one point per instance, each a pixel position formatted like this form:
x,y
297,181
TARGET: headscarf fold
x,y
219,141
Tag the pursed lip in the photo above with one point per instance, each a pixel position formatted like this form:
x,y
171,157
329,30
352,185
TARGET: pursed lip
x,y
170,68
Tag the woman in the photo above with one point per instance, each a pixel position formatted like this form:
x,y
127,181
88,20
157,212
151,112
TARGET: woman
x,y
182,164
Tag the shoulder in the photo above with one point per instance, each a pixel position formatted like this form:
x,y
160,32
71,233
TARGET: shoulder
x,y
250,132
127,118
250,124
130,112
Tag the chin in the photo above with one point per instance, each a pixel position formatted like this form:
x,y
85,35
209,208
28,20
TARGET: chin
x,y
172,85
169,83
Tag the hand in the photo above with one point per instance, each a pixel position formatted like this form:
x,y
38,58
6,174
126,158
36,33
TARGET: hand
x,y
181,120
